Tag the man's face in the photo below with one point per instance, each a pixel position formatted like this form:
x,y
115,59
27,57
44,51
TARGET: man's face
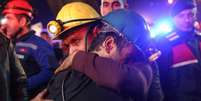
x,y
45,36
185,19
75,41
108,6
11,25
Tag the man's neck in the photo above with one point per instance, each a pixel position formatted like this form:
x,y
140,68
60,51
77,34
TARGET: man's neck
x,y
23,32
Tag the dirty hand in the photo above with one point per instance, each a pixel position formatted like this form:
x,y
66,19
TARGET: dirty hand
x,y
66,63
40,96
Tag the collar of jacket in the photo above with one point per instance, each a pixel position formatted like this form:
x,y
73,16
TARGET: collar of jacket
x,y
25,37
181,35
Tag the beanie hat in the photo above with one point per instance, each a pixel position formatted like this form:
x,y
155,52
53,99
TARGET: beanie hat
x,y
181,5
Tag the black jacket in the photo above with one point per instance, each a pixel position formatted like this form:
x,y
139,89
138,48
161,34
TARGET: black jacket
x,y
180,66
71,85
12,75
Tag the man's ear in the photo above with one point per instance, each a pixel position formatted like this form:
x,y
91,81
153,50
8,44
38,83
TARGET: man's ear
x,y
23,21
109,44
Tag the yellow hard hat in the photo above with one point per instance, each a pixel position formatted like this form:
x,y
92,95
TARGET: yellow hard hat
x,y
71,16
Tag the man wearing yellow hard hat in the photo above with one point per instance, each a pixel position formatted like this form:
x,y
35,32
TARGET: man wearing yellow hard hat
x,y
77,24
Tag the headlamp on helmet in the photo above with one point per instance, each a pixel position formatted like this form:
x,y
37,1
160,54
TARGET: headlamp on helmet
x,y
72,15
56,26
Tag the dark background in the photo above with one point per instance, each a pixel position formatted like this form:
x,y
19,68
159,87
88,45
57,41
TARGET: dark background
x,y
152,10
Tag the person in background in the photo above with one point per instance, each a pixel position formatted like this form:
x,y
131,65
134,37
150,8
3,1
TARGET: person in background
x,y
57,47
44,35
108,6
35,54
13,79
180,62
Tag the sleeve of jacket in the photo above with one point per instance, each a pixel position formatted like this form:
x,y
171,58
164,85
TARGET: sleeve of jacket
x,y
47,61
18,77
126,79
155,91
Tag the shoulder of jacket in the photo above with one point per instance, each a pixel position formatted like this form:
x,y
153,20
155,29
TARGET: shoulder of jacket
x,y
167,38
172,36
39,41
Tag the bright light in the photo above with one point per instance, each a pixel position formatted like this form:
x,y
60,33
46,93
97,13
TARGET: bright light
x,y
161,28
3,21
197,25
165,27
170,1
53,29
153,33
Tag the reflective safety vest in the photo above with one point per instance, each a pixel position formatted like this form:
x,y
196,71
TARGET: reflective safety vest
x,y
183,53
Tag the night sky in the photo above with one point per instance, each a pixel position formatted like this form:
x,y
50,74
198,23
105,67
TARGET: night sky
x,y
153,10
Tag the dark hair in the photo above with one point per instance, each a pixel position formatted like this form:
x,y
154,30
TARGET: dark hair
x,y
137,55
101,38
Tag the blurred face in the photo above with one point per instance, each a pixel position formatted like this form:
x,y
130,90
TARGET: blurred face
x,y
108,6
45,37
75,41
11,25
185,19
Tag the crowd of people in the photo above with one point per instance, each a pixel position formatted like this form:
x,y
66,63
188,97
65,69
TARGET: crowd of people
x,y
103,56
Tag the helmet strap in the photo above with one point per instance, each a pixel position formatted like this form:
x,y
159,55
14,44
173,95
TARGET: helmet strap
x,y
89,30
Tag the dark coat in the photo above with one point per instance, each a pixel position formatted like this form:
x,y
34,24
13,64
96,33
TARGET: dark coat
x,y
71,85
12,75
129,79
180,66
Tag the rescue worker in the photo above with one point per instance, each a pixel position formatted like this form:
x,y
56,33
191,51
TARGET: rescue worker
x,y
180,65
35,54
12,76
113,81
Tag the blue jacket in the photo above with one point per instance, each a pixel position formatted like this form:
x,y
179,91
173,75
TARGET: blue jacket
x,y
38,59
